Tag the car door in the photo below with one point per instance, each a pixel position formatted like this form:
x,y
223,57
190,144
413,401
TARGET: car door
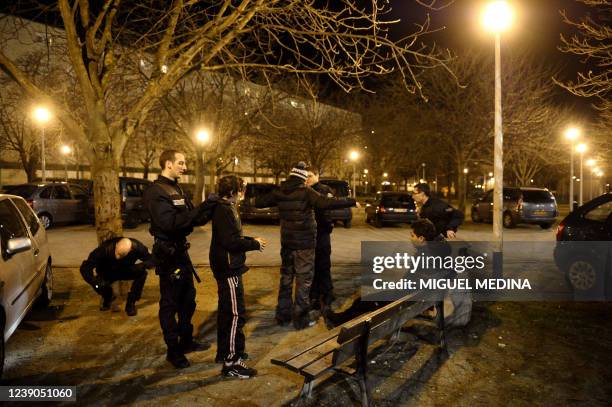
x,y
485,206
17,269
40,248
596,224
66,206
81,199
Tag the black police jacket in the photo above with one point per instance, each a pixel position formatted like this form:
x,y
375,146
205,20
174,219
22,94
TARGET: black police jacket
x,y
172,213
227,245
324,222
442,215
103,260
296,202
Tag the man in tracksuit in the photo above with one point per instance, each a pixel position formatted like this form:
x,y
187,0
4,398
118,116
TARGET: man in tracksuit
x,y
115,259
322,290
445,218
173,217
227,258
298,228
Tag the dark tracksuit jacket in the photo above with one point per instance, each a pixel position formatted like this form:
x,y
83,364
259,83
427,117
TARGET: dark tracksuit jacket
x,y
227,257
442,215
298,229
111,269
173,217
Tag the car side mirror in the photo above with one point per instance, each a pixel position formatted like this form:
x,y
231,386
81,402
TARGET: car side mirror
x,y
18,245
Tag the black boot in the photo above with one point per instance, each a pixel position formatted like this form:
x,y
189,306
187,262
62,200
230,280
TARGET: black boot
x,y
130,305
177,359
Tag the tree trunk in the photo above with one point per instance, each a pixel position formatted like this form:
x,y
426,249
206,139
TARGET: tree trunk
x,y
145,171
105,174
212,171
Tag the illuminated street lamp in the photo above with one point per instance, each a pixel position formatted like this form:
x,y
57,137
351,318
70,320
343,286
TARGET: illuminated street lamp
x,y
354,156
581,148
66,150
572,134
497,18
202,137
42,115
365,174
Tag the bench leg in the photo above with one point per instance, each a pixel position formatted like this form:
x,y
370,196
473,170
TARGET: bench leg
x,y
365,391
307,389
440,324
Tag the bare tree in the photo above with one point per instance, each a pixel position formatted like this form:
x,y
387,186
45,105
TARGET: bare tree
x,y
591,41
347,42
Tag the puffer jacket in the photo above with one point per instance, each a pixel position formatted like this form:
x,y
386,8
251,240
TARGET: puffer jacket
x,y
296,203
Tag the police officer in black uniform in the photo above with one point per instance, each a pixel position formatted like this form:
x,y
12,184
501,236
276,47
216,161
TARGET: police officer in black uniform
x,y
322,289
173,217
445,218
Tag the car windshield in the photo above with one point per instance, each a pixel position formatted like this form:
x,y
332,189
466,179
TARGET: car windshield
x,y
255,190
537,196
397,201
24,191
340,189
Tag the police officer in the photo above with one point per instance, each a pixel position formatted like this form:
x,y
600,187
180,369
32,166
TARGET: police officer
x,y
445,218
173,217
115,259
322,290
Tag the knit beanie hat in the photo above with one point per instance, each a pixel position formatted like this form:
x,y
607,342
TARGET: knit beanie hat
x,y
300,171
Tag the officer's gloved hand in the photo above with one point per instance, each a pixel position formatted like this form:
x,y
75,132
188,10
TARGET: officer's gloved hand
x,y
205,210
140,267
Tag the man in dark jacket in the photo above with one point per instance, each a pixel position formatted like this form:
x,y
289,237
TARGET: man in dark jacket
x,y
115,259
322,290
173,217
445,218
298,228
227,258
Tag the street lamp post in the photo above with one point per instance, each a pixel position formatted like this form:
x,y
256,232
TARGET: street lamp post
x,y
465,172
591,163
202,137
571,134
581,148
42,115
497,18
66,150
425,178
354,156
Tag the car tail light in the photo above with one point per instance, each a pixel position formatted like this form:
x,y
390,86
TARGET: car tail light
x,y
381,209
560,230
30,203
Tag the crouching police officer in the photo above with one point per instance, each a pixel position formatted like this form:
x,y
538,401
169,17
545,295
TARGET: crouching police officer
x,y
173,217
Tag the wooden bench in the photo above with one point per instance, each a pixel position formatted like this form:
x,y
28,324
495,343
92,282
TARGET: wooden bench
x,y
330,351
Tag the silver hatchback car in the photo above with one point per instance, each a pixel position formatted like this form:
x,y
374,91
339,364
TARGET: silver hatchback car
x,y
56,202
25,265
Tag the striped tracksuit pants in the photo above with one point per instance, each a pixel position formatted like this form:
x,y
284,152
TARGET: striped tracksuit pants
x,y
230,318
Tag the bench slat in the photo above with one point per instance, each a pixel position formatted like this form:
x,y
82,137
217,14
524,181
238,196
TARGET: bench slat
x,y
312,345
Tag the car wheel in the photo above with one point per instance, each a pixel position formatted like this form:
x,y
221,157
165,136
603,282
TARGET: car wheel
x,y
581,274
347,223
46,294
476,217
46,220
545,225
509,221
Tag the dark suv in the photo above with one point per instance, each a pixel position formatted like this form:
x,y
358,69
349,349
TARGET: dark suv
x,y
340,189
521,205
584,248
249,211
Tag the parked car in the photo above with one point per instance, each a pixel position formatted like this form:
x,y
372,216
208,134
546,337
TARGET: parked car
x,y
25,265
56,202
521,205
340,189
133,211
584,247
247,209
391,207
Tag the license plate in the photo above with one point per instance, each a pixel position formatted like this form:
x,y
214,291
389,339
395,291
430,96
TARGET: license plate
x,y
540,213
401,210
